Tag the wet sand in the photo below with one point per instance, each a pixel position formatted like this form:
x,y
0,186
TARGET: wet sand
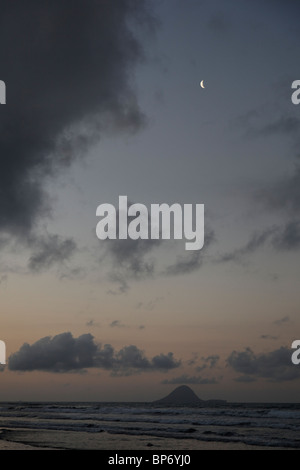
x,y
45,440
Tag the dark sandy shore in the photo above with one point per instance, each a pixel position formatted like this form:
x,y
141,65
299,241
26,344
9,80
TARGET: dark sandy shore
x,y
37,440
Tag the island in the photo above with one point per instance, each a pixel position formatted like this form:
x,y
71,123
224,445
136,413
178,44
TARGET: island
x,y
184,395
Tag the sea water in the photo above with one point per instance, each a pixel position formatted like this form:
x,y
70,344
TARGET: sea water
x,y
269,425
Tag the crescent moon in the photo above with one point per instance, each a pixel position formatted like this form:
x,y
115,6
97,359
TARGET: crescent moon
x,y
202,84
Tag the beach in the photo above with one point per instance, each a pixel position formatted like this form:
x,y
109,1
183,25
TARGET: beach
x,y
148,426
66,440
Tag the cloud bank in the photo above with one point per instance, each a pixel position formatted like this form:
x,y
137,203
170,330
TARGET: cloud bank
x,y
64,353
68,72
276,366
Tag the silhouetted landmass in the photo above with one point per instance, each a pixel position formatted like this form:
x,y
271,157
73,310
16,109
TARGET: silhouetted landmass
x,y
181,395
184,395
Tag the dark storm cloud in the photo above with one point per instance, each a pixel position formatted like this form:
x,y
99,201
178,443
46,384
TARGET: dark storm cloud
x,y
61,353
190,380
276,366
50,251
64,353
67,67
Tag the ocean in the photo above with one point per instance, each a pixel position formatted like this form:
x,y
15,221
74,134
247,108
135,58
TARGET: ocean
x,y
268,425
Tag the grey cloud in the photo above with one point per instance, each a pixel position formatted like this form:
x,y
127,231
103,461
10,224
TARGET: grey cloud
x,y
51,250
130,258
132,261
209,362
280,238
191,261
130,360
117,324
185,264
282,321
268,337
283,195
92,323
64,353
283,125
275,366
261,121
191,380
67,67
150,305
165,362
289,237
255,242
193,360
119,279
67,272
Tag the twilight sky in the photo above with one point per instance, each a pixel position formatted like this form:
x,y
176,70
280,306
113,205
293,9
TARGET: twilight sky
x,y
103,100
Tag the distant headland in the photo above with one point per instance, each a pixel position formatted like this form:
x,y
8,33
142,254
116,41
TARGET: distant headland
x,y
184,395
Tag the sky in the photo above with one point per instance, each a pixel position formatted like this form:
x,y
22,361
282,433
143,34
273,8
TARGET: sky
x,y
103,99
